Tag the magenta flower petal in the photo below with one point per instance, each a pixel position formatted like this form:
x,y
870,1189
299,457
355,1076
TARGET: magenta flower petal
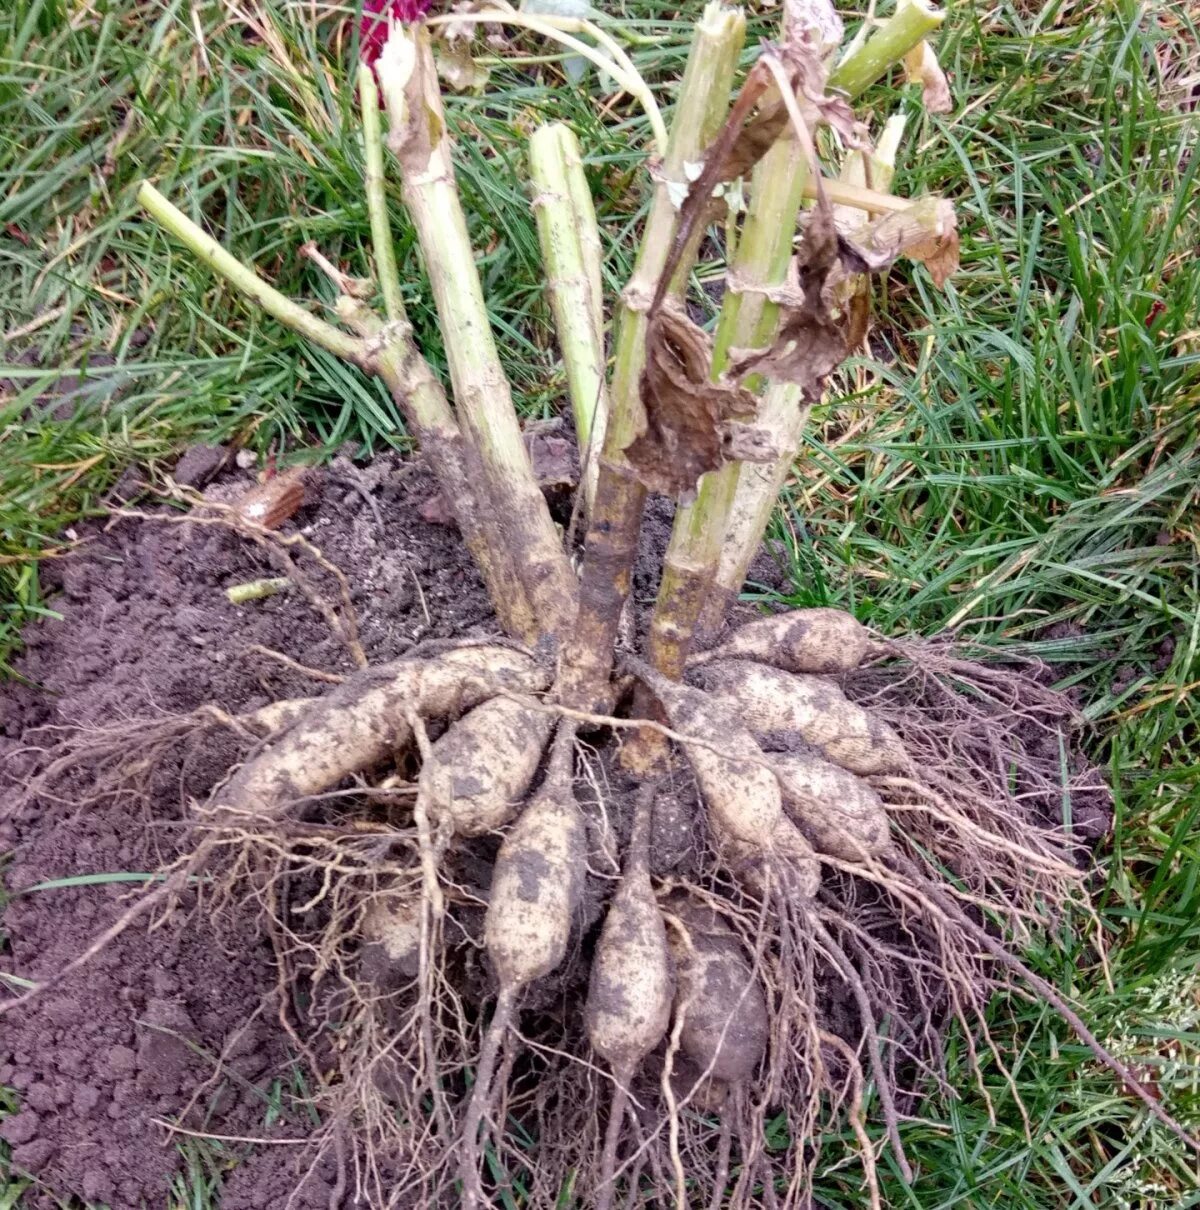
x,y
373,28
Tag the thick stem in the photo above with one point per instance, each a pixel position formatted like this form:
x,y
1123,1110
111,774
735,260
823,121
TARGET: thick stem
x,y
748,319
422,400
482,394
613,533
758,485
909,26
457,468
570,244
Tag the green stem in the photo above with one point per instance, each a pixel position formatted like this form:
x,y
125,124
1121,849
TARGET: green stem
x,y
391,355
245,280
381,228
616,519
909,26
565,229
783,413
482,393
748,319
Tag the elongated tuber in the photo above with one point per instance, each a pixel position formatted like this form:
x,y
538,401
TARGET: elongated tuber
x,y
838,812
477,774
364,721
771,700
629,993
802,640
537,884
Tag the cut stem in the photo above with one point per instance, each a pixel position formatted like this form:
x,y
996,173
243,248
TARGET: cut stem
x,y
570,244
393,357
909,26
620,498
782,413
243,279
482,393
748,319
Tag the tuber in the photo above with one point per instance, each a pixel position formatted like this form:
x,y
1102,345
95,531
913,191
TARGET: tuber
x,y
629,993
477,774
802,640
363,722
769,700
838,812
724,1011
537,884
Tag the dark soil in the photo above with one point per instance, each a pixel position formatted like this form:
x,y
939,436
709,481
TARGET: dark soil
x,y
146,629
101,1062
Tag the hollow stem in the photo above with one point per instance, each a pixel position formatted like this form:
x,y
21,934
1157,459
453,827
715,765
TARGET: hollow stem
x,y
482,394
616,518
570,244
909,26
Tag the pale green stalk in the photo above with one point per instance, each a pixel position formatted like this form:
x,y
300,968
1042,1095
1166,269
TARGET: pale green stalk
x,y
566,224
748,319
864,63
783,413
243,279
482,393
381,229
616,518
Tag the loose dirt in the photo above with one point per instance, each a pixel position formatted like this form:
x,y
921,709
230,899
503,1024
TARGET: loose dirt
x,y
146,629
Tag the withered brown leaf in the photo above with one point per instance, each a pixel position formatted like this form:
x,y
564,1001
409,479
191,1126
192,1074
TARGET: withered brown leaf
x,y
926,231
814,336
921,66
693,423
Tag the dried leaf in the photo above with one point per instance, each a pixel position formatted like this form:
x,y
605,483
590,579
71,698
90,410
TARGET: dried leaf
x,y
818,18
459,70
921,66
814,336
691,421
757,119
926,231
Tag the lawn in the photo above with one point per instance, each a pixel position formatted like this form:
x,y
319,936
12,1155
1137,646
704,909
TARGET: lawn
x,y
1020,459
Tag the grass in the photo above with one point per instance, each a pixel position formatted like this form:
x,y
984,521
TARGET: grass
x,y
1020,459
